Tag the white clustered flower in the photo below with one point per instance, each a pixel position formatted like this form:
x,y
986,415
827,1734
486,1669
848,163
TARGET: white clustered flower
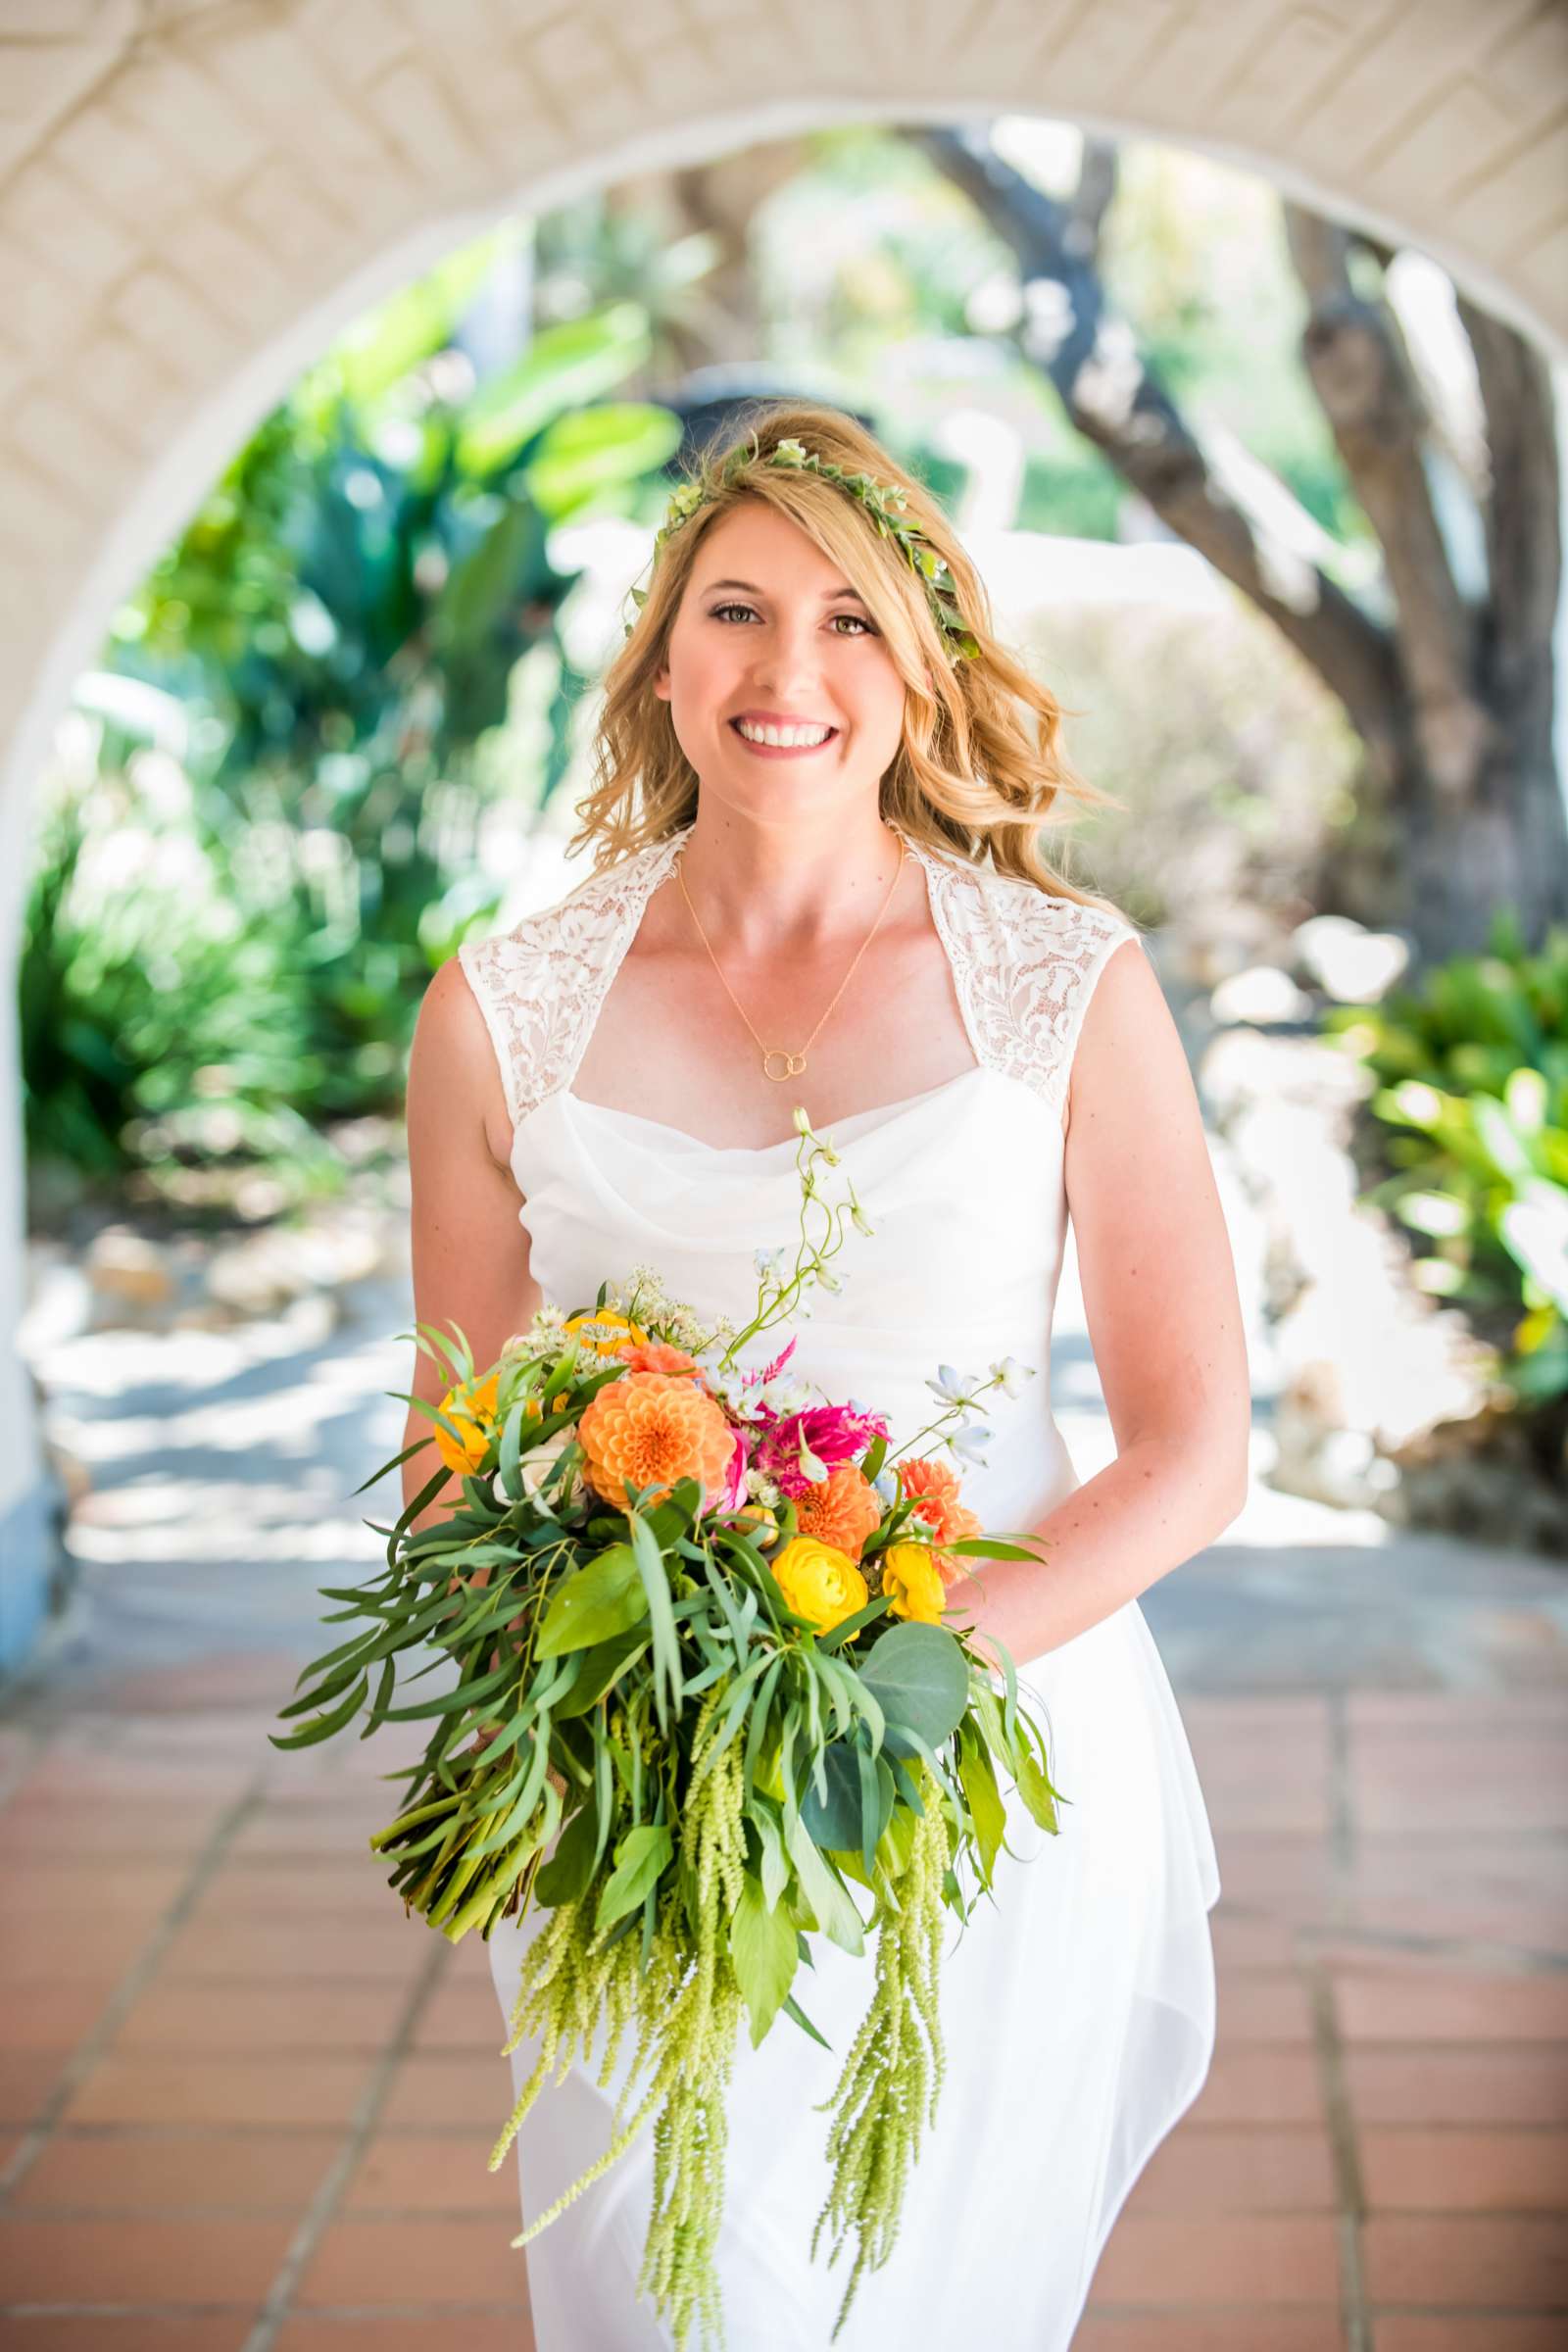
x,y
1012,1374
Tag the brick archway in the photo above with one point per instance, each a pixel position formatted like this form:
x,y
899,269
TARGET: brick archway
x,y
195,194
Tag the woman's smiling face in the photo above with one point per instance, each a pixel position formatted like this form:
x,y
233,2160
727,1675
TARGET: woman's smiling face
x,y
768,629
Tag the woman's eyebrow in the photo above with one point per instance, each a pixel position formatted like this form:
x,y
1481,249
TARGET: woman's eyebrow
x,y
834,596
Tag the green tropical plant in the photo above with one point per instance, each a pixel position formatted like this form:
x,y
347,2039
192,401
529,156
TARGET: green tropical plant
x,y
341,621
163,1021
1472,1108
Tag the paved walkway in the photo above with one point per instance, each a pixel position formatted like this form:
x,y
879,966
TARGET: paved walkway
x,y
247,2107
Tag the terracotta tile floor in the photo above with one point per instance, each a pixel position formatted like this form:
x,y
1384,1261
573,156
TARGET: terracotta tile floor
x,y
246,2106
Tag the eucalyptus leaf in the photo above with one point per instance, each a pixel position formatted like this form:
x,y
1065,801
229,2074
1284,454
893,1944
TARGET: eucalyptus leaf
x,y
821,1887
920,1678
668,1686
834,1819
324,1726
569,1874
603,1598
602,1667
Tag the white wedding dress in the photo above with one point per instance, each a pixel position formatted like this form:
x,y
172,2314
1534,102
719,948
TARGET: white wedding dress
x,y
1078,2009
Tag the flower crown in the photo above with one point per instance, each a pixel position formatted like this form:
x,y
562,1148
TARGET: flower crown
x,y
880,501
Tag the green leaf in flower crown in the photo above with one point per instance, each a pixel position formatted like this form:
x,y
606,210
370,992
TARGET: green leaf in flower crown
x,y
641,1859
920,1678
602,1597
762,1945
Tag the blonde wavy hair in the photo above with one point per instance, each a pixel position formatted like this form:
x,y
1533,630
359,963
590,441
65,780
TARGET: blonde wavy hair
x,y
967,779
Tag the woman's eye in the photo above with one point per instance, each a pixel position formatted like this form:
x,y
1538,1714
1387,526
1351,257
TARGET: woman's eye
x,y
719,610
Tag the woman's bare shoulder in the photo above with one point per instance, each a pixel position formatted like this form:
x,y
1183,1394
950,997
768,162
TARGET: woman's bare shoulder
x,y
454,1076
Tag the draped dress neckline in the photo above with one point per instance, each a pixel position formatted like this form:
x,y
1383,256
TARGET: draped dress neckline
x,y
847,1124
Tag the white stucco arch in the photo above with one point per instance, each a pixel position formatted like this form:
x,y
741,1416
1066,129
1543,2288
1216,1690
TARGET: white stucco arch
x,y
196,194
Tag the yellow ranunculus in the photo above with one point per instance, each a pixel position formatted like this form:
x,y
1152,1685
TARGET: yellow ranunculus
x,y
617,1336
471,1408
820,1582
913,1578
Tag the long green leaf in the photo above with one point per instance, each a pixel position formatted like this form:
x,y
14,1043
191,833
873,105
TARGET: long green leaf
x,y
324,1726
667,1687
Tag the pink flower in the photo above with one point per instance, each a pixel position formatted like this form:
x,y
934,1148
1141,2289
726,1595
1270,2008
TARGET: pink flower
x,y
833,1432
753,1380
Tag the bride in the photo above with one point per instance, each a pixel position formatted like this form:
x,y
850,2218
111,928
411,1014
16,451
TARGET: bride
x,y
819,881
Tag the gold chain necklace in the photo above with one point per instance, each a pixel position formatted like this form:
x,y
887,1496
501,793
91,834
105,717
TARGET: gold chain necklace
x,y
794,1064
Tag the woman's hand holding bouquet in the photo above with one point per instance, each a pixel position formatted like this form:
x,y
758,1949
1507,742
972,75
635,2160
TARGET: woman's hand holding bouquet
x,y
701,1631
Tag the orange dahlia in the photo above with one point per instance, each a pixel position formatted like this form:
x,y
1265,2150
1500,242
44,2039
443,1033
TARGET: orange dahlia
x,y
654,1427
842,1511
472,1409
936,1488
655,1355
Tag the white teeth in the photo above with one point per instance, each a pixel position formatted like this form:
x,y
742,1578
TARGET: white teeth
x,y
783,735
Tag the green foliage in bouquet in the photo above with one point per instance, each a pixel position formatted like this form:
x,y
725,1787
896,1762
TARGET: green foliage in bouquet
x,y
721,1724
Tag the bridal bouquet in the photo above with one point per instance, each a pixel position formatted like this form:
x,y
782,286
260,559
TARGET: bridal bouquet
x,y
701,1629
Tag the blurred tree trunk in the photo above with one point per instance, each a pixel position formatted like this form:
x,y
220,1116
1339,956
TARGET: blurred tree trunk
x,y
1453,696
718,321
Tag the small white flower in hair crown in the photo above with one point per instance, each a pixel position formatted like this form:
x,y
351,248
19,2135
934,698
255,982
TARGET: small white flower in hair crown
x,y
883,502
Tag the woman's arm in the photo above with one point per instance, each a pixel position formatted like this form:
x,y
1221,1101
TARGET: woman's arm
x,y
470,1253
1164,1320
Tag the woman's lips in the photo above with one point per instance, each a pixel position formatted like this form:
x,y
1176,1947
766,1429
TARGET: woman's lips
x,y
783,751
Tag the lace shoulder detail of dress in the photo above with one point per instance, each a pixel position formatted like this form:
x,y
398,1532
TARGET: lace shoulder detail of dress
x,y
541,984
1024,966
